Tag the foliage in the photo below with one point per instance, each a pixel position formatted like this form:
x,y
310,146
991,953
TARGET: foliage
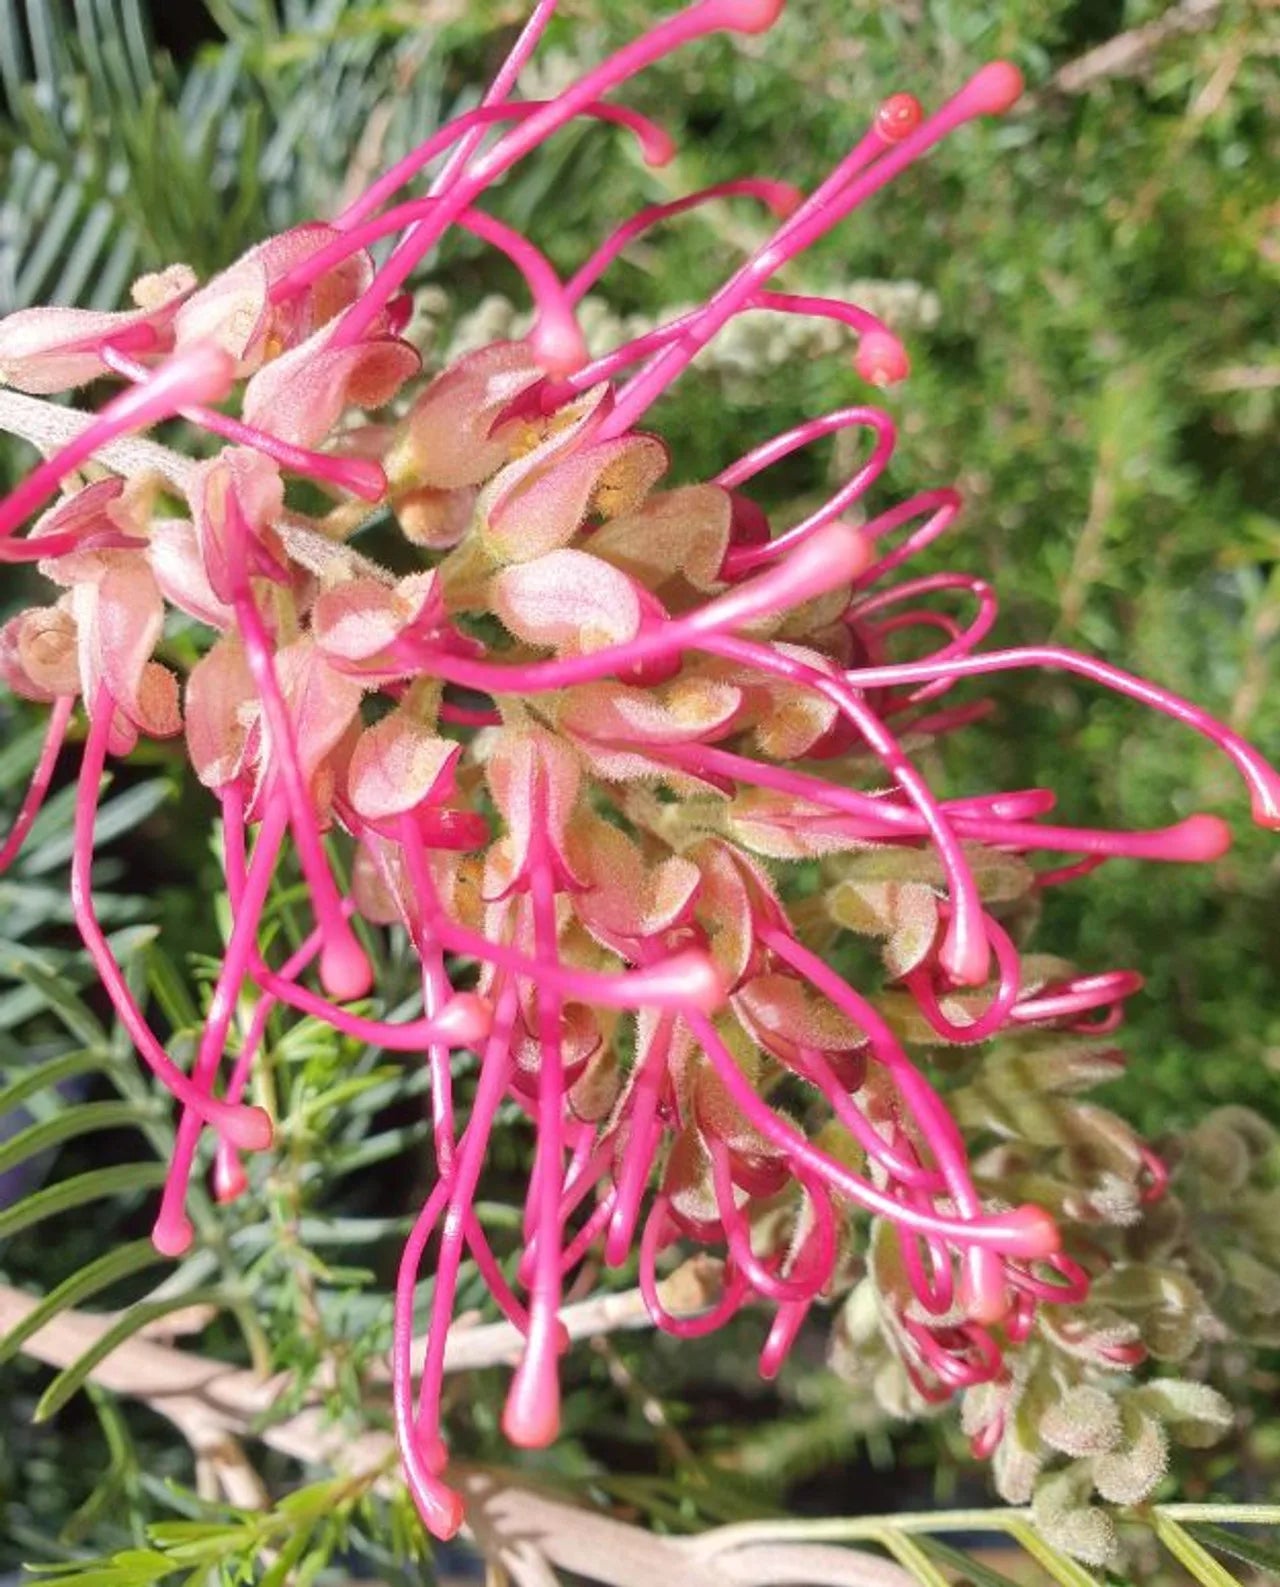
x,y
1094,373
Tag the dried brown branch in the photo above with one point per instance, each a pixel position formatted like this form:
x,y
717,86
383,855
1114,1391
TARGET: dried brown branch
x,y
48,427
1128,53
1242,377
527,1534
691,1288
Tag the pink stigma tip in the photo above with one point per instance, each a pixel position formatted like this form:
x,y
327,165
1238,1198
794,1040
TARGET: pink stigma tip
x,y
229,1179
965,956
1265,801
440,1509
900,115
701,982
983,1291
753,16
431,1452
783,199
832,556
558,347
657,148
881,360
362,477
344,970
531,1417
1200,837
464,1020
248,1128
172,1236
1032,1233
995,89
207,374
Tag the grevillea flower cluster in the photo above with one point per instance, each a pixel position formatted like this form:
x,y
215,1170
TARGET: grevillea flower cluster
x,y
570,754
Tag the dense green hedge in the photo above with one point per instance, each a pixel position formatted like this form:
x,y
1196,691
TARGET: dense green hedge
x,y
1098,372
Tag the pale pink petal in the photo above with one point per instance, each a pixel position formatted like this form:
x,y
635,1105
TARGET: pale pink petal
x,y
46,350
567,599
38,653
179,570
675,536
523,519
301,395
128,619
255,482
449,440
358,619
234,309
398,764
323,702
221,710
535,779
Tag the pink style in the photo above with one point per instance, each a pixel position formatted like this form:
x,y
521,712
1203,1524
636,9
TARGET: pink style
x,y
583,825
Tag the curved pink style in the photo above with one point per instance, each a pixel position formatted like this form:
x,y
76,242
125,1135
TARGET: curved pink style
x,y
565,752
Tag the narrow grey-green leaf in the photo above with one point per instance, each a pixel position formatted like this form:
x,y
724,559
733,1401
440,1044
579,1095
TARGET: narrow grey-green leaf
x,y
79,1191
108,1269
116,817
70,1008
19,756
126,1325
976,1572
78,1118
1236,1545
171,991
44,1076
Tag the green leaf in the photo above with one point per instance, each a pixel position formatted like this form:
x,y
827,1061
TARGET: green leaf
x,y
115,818
79,1191
975,1571
1237,1545
1062,1570
19,756
1199,1564
281,1572
170,991
910,1555
208,1541
77,1118
134,1567
45,1076
98,1275
180,1534
126,1325
21,965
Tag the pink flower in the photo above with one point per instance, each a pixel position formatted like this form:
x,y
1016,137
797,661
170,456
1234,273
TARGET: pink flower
x,y
595,801
46,350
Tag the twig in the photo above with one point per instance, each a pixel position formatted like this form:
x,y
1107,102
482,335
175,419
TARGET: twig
x,y
1127,53
47,426
1086,558
1242,377
526,1533
691,1288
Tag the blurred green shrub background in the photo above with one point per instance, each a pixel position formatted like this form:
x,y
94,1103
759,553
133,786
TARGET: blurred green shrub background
x,y
1087,290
